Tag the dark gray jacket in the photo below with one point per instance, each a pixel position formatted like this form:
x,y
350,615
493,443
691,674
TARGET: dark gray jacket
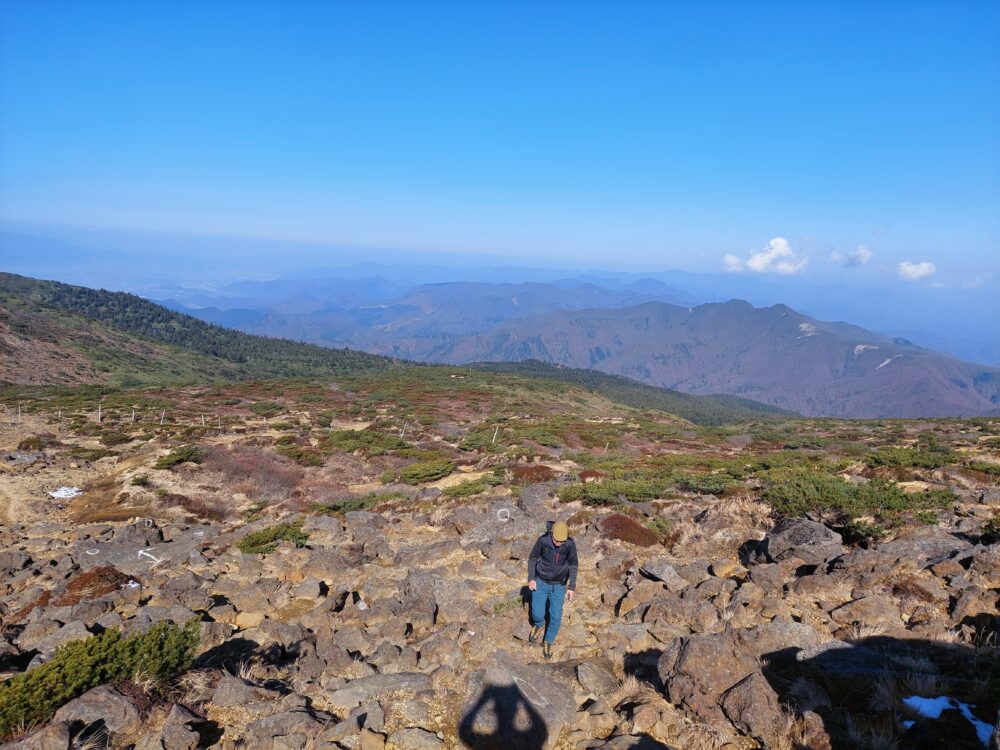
x,y
553,564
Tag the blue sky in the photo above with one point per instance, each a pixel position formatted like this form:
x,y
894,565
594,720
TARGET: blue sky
x,y
631,134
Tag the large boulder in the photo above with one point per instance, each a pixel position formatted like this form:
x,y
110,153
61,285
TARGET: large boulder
x,y
698,671
809,541
515,706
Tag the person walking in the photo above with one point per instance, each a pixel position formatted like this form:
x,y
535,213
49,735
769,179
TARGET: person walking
x,y
552,568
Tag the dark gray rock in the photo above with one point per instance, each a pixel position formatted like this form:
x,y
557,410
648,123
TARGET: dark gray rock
x,y
660,569
811,542
597,677
103,703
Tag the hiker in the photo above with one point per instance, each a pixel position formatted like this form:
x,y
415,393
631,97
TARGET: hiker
x,y
552,568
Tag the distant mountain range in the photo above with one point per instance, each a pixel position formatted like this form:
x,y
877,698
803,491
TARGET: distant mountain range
x,y
774,354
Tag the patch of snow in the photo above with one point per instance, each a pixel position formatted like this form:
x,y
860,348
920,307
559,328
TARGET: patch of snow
x,y
65,493
932,708
808,329
514,300
888,361
862,348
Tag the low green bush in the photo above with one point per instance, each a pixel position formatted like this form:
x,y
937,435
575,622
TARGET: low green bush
x,y
984,467
265,408
185,453
302,455
797,492
266,540
614,491
468,488
914,458
163,652
425,471
369,441
708,484
348,504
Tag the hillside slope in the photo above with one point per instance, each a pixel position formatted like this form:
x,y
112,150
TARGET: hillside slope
x,y
53,333
706,410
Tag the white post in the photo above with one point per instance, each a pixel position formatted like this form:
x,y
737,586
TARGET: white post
x,y
98,412
202,420
495,433
162,414
133,416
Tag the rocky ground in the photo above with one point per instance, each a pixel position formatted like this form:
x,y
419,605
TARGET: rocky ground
x,y
404,625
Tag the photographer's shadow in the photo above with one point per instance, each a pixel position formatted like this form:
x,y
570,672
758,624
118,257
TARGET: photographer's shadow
x,y
503,719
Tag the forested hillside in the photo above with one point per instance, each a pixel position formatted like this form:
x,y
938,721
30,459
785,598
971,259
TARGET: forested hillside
x,y
34,305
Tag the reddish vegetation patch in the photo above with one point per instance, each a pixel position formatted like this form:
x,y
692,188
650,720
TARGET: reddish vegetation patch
x,y
532,474
618,526
592,475
91,584
257,474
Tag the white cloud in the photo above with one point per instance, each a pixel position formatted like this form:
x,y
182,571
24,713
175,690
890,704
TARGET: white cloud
x,y
732,263
916,271
777,257
858,257
977,281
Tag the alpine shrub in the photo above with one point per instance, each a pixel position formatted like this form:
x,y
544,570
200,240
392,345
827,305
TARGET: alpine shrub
x,y
264,541
163,652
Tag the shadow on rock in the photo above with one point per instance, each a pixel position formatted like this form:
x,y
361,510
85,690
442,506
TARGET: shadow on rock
x,y
503,719
857,692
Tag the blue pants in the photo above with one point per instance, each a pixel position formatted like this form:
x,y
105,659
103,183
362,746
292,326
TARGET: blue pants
x,y
551,594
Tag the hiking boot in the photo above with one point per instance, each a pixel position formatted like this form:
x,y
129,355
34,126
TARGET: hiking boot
x,y
547,650
534,634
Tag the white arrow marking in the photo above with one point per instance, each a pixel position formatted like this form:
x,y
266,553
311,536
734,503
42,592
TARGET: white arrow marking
x,y
151,557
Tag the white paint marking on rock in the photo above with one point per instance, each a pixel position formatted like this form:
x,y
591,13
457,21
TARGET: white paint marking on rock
x,y
145,553
503,515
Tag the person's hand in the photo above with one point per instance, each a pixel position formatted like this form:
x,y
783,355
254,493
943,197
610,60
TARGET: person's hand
x,y
570,594
532,585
